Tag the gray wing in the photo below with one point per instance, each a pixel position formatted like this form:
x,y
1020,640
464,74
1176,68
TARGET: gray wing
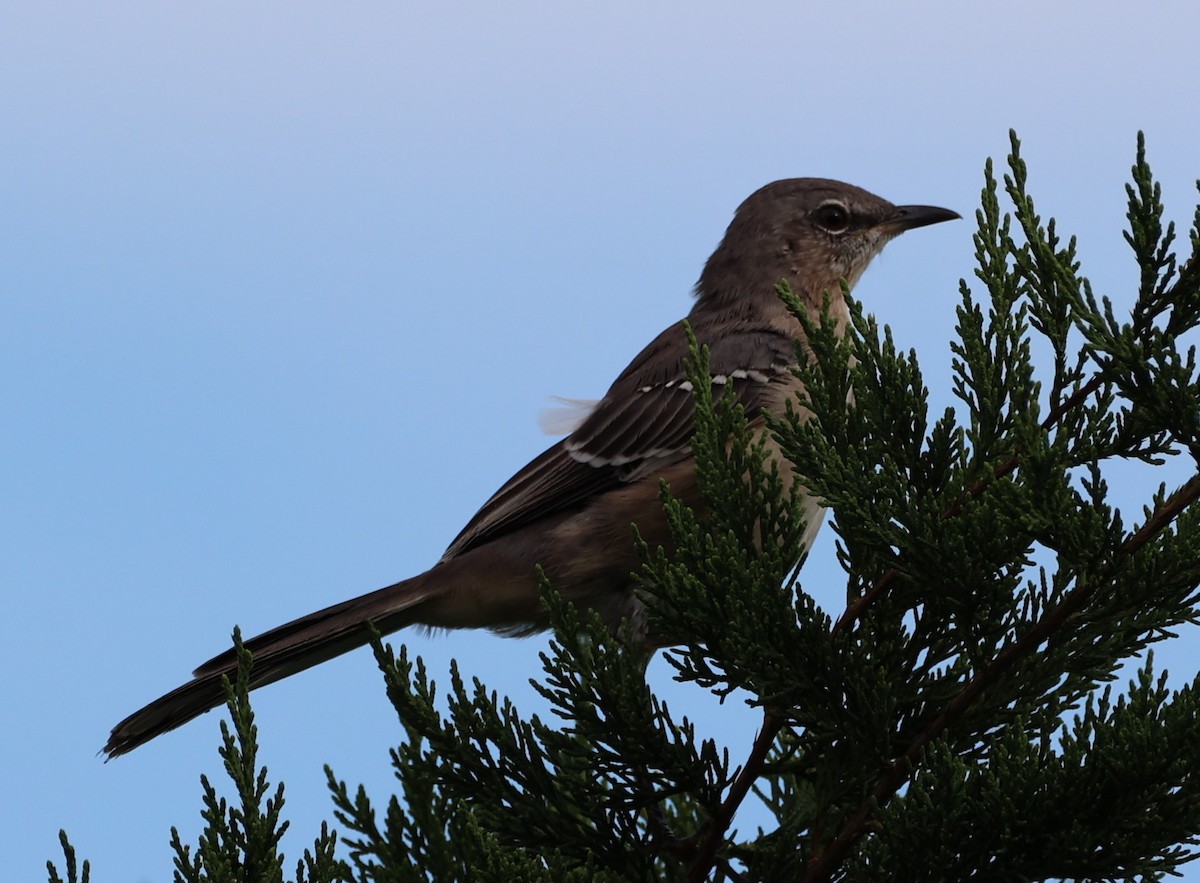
x,y
642,424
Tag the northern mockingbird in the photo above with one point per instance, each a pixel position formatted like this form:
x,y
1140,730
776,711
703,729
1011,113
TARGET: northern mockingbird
x,y
571,508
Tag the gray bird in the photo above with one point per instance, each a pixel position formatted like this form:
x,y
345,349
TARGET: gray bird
x,y
571,508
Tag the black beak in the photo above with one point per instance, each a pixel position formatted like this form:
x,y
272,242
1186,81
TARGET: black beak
x,y
909,217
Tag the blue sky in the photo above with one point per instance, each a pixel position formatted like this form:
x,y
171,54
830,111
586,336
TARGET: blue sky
x,y
283,290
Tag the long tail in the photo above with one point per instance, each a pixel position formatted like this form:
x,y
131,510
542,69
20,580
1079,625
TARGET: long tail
x,y
283,651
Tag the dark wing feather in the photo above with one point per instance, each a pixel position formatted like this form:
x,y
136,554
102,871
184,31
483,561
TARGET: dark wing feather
x,y
642,424
552,482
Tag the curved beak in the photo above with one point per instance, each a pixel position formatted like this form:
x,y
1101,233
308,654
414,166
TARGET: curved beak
x,y
909,217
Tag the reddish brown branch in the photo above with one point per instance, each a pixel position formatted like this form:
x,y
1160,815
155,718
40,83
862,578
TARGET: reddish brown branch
x,y
714,833
822,866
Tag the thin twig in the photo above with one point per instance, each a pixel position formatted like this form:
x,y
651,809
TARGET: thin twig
x,y
714,832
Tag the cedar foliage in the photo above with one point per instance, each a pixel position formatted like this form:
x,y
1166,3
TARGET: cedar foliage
x,y
958,720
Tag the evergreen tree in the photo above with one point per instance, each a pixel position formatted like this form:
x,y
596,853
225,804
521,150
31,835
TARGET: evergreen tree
x,y
957,720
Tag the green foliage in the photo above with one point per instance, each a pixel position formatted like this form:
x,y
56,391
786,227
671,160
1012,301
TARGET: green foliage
x,y
957,720
240,843
1113,795
73,874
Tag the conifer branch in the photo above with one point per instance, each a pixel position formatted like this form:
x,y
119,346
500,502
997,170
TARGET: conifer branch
x,y
855,611
822,866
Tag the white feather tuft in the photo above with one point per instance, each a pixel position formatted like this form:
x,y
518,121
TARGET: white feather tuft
x,y
567,416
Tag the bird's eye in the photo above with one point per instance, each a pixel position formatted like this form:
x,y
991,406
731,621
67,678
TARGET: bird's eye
x,y
833,217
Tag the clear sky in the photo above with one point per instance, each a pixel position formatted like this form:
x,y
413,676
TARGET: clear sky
x,y
284,287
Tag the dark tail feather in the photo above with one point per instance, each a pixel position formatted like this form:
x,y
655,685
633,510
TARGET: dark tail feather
x,y
283,651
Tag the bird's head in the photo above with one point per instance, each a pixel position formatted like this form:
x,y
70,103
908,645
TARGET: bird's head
x,y
811,232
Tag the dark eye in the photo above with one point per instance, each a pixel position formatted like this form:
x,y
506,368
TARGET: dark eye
x,y
833,217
